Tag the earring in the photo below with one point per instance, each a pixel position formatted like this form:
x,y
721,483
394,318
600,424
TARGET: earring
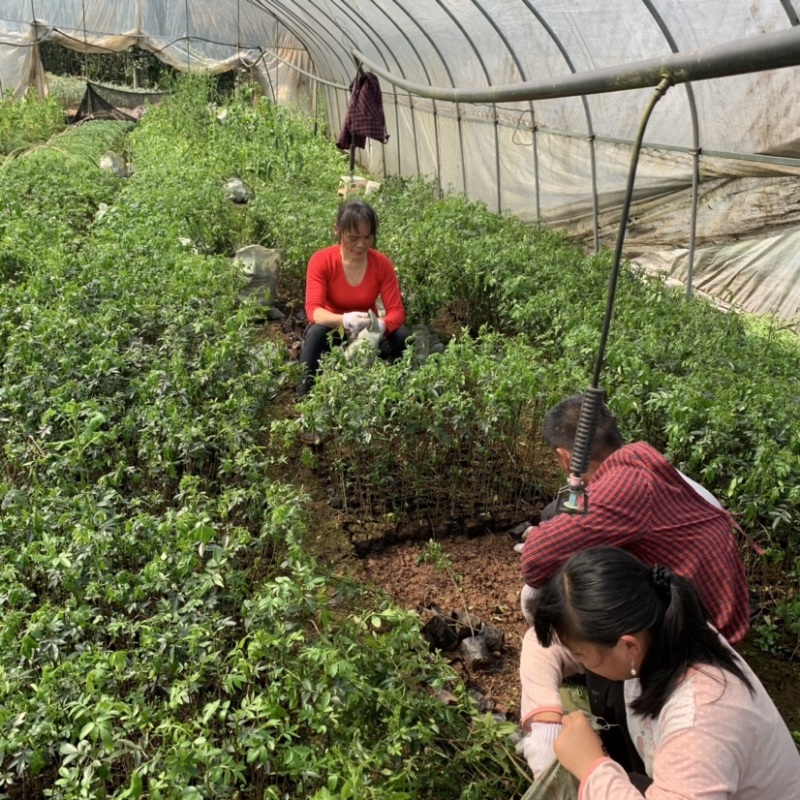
x,y
633,670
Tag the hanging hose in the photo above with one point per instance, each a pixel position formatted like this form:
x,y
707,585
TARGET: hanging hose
x,y
569,498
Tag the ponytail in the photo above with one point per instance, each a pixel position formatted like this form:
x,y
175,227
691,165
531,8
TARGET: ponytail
x,y
603,593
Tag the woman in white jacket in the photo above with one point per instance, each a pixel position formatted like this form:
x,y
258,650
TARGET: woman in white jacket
x,y
699,717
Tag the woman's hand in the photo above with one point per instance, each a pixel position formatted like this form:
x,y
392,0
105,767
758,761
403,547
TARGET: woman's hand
x,y
355,321
578,746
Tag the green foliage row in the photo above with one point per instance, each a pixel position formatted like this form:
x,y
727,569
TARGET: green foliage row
x,y
49,196
287,169
173,655
715,391
164,633
453,437
28,122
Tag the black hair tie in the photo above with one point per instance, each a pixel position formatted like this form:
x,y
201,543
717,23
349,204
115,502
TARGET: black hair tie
x,y
662,579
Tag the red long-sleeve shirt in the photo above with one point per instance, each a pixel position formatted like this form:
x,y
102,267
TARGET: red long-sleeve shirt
x,y
639,502
327,287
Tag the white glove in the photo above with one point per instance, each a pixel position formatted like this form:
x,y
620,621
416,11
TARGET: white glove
x,y
382,326
527,599
355,321
537,746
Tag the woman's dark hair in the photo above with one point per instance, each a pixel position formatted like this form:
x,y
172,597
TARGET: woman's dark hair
x,y
352,213
603,593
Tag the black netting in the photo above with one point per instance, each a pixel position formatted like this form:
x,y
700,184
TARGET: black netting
x,y
105,102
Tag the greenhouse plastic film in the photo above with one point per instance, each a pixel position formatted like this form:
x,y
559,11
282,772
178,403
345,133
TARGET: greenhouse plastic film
x,y
564,160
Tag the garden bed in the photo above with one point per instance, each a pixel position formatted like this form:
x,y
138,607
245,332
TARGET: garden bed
x,y
484,578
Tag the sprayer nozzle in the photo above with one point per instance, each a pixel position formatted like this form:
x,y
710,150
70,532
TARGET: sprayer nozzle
x,y
572,499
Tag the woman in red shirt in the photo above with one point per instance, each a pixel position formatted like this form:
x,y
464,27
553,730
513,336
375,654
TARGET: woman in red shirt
x,y
342,285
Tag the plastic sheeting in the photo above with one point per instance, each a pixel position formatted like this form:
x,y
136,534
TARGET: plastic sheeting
x,y
562,160
205,37
756,276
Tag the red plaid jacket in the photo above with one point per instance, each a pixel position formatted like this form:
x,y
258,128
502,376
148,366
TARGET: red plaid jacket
x,y
364,118
639,502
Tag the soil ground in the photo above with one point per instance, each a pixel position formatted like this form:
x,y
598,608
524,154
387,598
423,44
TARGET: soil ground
x,y
488,581
484,579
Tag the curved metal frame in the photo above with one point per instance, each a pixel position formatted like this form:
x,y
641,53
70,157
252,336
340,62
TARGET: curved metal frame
x,y
317,30
422,64
298,29
341,102
467,37
695,146
754,54
374,37
377,40
521,71
446,66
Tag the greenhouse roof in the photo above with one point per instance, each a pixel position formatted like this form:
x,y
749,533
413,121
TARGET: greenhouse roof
x,y
530,106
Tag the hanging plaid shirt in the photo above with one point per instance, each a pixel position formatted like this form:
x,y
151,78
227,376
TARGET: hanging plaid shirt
x,y
639,502
364,118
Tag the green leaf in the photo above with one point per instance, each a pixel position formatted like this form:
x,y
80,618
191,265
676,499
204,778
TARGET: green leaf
x,y
86,730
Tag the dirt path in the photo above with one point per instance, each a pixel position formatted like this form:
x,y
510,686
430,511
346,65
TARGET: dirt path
x,y
484,579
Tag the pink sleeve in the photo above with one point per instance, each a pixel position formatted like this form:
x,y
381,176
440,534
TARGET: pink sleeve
x,y
616,517
542,671
606,779
392,299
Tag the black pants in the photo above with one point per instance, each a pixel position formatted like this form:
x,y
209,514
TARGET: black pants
x,y
607,701
318,339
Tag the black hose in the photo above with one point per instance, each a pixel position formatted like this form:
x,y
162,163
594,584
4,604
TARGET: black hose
x,y
660,91
594,396
584,433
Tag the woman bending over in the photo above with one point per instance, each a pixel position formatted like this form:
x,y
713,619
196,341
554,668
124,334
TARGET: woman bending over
x,y
702,722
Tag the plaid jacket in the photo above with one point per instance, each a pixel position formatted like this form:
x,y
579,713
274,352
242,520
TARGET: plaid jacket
x,y
639,502
364,118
